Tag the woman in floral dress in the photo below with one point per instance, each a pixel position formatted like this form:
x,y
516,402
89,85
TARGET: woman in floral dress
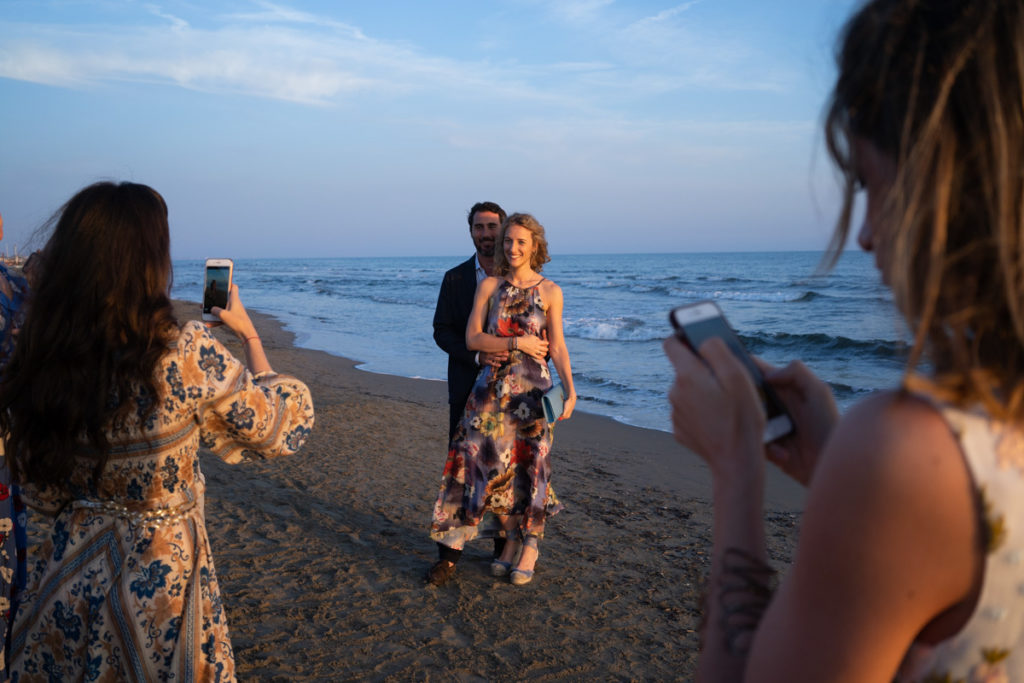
x,y
105,403
496,478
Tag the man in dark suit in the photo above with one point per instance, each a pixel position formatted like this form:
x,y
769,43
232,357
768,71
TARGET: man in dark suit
x,y
454,304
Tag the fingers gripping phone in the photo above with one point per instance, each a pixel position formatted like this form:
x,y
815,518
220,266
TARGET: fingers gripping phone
x,y
216,285
696,323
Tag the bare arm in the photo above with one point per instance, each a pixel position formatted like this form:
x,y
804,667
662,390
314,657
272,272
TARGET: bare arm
x,y
556,345
237,319
716,413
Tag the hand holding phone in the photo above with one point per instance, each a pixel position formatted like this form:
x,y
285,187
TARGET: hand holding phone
x,y
812,406
696,323
216,285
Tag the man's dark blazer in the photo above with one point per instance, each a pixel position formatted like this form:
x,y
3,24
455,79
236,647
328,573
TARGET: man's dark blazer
x,y
454,304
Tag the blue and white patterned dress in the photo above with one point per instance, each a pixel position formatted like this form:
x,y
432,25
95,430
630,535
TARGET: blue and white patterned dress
x,y
13,542
124,588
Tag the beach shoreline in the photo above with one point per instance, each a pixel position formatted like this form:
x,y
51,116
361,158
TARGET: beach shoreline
x,y
321,556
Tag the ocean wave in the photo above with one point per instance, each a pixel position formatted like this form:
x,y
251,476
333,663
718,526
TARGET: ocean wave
x,y
775,297
670,291
615,391
797,345
596,284
619,329
846,395
728,279
586,398
597,381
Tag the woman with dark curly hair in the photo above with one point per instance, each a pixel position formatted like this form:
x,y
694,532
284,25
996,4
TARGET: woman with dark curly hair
x,y
496,478
105,403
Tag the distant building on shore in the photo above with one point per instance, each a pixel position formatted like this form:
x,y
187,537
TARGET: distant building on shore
x,y
15,260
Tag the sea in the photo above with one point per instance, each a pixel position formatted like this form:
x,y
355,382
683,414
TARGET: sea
x,y
378,311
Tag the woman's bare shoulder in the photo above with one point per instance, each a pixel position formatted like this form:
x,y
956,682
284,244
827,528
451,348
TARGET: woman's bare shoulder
x,y
549,288
894,429
893,482
894,442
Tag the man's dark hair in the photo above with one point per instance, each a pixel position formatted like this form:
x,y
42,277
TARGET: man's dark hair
x,y
486,206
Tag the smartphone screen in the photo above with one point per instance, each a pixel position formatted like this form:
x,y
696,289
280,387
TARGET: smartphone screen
x,y
696,323
216,285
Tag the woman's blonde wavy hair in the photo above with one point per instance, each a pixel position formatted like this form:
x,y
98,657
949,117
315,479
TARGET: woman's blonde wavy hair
x,y
540,255
938,86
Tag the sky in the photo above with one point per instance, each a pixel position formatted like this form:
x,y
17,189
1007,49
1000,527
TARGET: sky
x,y
347,128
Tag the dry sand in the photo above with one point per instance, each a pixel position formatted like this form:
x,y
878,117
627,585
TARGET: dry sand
x,y
321,556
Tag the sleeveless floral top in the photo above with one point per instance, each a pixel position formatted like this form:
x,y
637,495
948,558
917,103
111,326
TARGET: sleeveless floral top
x,y
990,646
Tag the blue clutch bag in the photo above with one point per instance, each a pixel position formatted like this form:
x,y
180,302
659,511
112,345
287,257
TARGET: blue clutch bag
x,y
553,400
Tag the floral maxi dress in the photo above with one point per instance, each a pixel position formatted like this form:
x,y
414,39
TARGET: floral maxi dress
x,y
499,460
124,588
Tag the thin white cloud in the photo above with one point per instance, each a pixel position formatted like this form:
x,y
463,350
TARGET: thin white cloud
x,y
664,53
274,13
176,22
577,11
666,14
264,60
276,64
278,52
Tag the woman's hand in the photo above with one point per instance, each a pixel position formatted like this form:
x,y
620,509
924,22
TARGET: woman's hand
x,y
716,410
237,320
533,345
568,406
813,410
235,316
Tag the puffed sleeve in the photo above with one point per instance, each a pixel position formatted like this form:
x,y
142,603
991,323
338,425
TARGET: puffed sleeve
x,y
242,418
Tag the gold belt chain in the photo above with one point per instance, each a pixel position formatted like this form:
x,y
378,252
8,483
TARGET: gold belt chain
x,y
155,517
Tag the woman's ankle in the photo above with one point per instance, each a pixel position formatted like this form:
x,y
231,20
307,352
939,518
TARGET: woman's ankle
x,y
511,549
528,557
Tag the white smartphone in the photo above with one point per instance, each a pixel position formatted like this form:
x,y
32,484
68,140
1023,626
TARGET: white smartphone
x,y
216,285
696,323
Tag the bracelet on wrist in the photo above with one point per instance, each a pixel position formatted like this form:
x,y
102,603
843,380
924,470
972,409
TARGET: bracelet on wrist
x,y
246,340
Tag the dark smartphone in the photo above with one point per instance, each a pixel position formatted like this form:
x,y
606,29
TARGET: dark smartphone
x,y
216,285
696,323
